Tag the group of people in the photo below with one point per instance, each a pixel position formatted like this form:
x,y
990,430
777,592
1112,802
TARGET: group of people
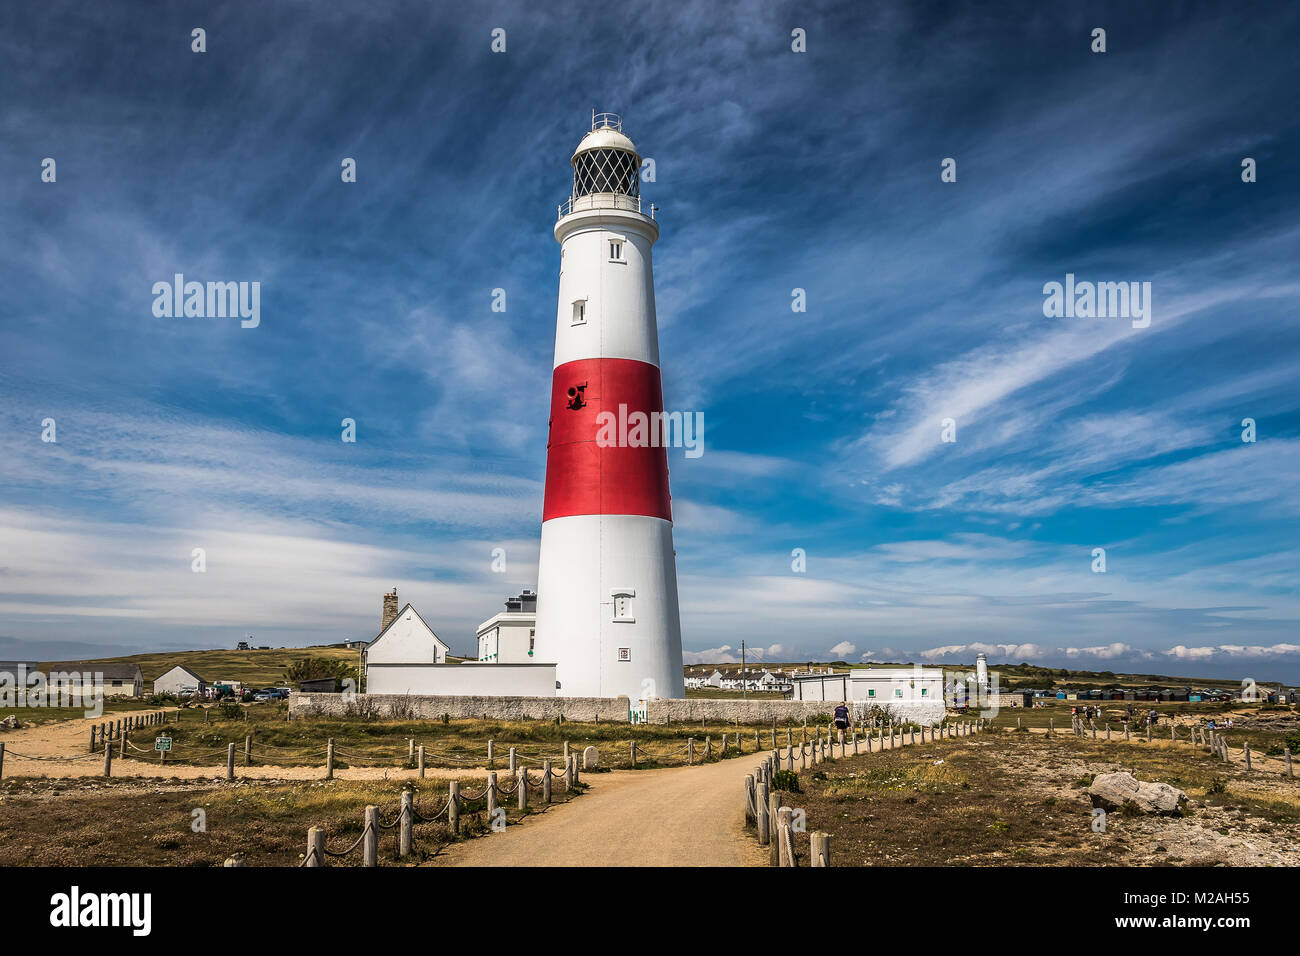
x,y
1226,724
1086,713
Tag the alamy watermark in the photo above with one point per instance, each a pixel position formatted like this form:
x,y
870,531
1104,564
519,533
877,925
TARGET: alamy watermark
x,y
651,430
1098,300
212,300
32,688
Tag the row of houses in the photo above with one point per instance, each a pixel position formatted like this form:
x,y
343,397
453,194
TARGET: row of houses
x,y
1271,695
779,680
85,678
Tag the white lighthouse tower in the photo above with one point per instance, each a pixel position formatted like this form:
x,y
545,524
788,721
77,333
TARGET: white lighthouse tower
x,y
607,580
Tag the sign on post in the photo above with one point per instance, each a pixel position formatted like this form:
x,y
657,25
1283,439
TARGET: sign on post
x,y
163,744
638,715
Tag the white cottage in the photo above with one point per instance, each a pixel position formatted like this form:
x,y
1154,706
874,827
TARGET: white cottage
x,y
180,681
405,641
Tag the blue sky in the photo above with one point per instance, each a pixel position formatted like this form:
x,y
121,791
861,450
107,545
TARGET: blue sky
x,y
774,171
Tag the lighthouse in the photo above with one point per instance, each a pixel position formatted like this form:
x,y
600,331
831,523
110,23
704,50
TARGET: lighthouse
x,y
607,611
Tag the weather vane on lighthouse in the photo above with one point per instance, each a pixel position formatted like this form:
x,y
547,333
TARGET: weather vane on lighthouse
x,y
607,610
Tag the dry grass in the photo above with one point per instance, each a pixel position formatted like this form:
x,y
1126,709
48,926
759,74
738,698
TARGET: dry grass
x,y
125,823
456,743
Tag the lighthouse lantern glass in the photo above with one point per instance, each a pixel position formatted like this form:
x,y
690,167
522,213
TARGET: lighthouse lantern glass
x,y
606,171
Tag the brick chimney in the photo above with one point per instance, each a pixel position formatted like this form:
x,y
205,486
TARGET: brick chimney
x,y
390,609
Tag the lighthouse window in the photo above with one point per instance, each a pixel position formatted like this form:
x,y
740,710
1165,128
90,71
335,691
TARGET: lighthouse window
x,y
623,606
579,312
616,250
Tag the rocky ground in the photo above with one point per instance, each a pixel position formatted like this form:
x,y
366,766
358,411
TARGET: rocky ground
x,y
1022,798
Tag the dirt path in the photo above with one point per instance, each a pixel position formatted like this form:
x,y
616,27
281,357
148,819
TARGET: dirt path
x,y
683,816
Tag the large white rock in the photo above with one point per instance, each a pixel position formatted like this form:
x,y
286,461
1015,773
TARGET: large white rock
x,y
590,758
1111,791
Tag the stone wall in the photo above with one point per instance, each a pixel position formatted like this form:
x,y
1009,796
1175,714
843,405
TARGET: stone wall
x,y
413,707
693,710
421,707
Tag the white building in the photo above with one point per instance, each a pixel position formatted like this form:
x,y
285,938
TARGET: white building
x,y
406,643
180,681
509,637
607,610
409,658
112,680
907,691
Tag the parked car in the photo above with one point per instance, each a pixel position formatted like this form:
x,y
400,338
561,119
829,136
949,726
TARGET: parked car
x,y
264,695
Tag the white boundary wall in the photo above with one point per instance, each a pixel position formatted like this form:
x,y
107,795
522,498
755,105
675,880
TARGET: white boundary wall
x,y
461,680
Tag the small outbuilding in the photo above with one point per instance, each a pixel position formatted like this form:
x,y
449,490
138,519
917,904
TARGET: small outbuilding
x,y
181,682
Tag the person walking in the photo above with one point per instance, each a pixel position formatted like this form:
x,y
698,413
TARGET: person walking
x,y
841,722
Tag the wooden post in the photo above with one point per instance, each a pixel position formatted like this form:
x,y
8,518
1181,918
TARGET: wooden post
x,y
784,840
708,748
789,758
758,741
205,720
329,758
92,738
803,756
121,745
546,781
410,750
566,751
1126,723
750,816
522,782
514,760
315,847
453,806
773,814
760,804
568,773
370,838
2,760
914,735
724,749
820,848
406,825
1173,737
1148,731
1108,730
855,739
248,750
230,762
789,736
108,761
690,751
1247,754
420,757
492,754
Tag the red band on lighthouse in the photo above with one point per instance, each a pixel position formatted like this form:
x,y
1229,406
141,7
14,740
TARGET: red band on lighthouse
x,y
584,477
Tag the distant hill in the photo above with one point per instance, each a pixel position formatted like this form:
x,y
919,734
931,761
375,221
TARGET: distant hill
x,y
253,668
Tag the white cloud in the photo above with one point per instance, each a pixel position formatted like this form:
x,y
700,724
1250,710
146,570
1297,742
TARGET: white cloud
x,y
843,649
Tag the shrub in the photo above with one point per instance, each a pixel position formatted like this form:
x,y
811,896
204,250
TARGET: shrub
x,y
786,780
